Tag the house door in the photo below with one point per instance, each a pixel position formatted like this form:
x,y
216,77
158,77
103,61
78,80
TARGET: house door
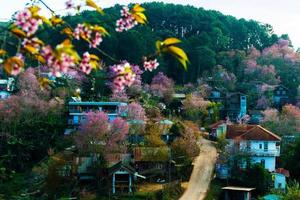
x,y
263,163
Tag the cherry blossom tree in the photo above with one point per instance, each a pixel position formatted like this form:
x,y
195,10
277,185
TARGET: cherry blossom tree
x,y
286,122
98,135
136,112
30,122
263,103
162,86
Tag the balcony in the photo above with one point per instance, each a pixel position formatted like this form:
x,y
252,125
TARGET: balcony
x,y
263,152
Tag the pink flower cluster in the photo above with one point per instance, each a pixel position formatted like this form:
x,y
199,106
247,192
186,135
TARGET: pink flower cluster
x,y
122,75
96,40
85,65
26,22
86,33
151,65
58,65
82,31
282,50
270,69
126,22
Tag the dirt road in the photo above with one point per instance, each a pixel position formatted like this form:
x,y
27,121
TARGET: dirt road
x,y
202,172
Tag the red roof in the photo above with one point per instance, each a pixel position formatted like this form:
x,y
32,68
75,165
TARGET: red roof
x,y
217,124
285,172
250,132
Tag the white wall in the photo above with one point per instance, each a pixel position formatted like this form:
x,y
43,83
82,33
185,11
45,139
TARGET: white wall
x,y
270,162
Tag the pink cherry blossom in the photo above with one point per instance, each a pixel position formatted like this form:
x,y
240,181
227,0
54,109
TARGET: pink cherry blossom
x,y
270,115
136,112
96,40
123,76
85,65
57,66
126,22
162,86
84,31
26,22
151,65
262,103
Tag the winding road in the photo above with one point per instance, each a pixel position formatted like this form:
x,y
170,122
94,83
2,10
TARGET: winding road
x,y
202,172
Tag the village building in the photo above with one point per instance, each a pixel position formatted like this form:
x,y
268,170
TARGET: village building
x,y
7,86
78,111
280,96
151,162
235,105
122,177
279,178
217,95
218,130
260,144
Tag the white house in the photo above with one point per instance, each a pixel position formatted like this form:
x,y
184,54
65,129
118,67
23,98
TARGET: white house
x,y
259,143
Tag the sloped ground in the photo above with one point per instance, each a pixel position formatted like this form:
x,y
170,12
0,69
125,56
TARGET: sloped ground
x,y
202,172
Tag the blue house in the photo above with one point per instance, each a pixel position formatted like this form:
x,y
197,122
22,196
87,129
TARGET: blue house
x,y
7,86
78,111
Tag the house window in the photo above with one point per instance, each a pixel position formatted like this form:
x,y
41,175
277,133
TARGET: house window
x,y
260,146
248,145
265,146
263,163
279,185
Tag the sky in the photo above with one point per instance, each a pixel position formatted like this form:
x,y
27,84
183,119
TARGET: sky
x,y
283,15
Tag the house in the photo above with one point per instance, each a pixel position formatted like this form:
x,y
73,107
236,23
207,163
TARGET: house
x,y
7,86
79,109
151,161
279,178
122,176
280,96
217,95
260,144
235,105
237,193
165,126
218,130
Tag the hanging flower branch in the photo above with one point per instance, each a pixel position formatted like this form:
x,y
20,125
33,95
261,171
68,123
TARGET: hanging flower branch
x,y
64,59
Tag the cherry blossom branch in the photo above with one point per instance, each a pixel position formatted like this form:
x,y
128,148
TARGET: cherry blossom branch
x,y
69,26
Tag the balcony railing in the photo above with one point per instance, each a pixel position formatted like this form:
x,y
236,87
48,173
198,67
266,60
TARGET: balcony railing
x,y
263,152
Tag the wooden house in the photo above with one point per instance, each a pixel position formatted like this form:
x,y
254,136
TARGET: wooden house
x,y
122,177
235,105
151,161
280,96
